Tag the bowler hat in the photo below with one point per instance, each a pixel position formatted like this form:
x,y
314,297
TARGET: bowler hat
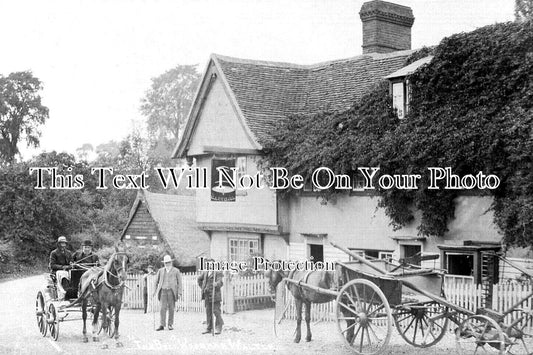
x,y
87,243
167,259
62,239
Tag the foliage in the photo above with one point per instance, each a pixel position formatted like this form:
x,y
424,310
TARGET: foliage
x,y
166,105
523,10
140,258
470,109
168,101
33,219
21,113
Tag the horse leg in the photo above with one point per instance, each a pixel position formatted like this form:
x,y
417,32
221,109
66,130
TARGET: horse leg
x,y
84,317
117,313
299,304
308,320
95,321
104,323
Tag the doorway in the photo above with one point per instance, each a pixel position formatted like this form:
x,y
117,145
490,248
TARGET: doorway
x,y
316,252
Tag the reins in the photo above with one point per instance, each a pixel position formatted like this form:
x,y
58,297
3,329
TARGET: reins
x,y
107,271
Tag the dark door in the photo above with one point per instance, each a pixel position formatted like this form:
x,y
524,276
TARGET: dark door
x,y
316,252
411,250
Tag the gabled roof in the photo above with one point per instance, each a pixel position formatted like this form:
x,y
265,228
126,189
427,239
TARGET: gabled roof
x,y
175,217
264,92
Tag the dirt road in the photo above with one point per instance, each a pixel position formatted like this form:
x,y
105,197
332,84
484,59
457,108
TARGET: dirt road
x,y
244,333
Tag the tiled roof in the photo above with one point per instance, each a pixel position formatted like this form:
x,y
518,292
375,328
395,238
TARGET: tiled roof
x,y
269,91
175,216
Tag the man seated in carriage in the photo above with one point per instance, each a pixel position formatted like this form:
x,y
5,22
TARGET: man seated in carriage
x,y
60,259
85,256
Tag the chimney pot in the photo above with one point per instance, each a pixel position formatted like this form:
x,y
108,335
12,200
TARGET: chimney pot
x,y
386,26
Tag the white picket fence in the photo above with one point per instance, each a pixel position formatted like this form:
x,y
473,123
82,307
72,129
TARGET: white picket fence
x,y
247,292
238,293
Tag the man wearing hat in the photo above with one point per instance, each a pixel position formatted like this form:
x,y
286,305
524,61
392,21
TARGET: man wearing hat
x,y
211,281
60,259
168,281
85,255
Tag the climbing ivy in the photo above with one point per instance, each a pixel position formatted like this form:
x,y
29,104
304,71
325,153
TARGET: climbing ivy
x,y
471,109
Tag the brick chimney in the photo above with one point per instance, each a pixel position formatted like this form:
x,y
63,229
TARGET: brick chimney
x,y
386,26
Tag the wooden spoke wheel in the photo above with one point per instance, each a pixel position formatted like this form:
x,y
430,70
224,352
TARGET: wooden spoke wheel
x,y
422,324
364,318
108,327
480,335
53,321
521,334
40,314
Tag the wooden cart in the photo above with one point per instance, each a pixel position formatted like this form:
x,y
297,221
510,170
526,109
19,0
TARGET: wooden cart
x,y
377,295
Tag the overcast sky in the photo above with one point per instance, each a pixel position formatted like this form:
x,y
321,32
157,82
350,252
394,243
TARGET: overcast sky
x,y
96,57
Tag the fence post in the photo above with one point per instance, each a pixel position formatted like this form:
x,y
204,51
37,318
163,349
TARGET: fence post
x,y
230,297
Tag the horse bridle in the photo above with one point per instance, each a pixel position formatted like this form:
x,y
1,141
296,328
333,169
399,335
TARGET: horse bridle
x,y
122,267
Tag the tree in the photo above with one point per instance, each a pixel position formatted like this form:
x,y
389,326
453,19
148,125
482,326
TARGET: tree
x,y
167,103
523,10
21,113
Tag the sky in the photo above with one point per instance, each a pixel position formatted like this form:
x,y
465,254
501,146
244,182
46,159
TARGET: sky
x,y
96,58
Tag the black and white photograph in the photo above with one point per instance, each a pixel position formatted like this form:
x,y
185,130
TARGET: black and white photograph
x,y
266,177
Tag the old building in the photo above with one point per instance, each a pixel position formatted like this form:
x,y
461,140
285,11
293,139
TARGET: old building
x,y
234,109
169,220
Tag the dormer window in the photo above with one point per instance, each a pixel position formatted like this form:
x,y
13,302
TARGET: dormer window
x,y
399,98
399,85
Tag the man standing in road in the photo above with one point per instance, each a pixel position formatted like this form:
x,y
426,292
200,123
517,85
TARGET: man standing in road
x,y
168,281
60,259
211,281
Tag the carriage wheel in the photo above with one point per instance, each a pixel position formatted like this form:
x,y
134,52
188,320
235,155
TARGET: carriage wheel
x,y
521,334
364,317
40,313
53,321
422,324
109,327
480,335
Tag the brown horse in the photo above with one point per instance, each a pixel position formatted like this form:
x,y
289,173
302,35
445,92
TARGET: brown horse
x,y
105,289
302,295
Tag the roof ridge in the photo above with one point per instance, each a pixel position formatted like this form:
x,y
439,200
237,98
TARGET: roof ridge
x,y
374,56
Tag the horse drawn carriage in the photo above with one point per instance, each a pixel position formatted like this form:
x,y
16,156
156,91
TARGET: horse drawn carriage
x,y
373,296
101,299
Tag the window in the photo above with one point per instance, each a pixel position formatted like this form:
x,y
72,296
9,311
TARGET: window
x,y
387,255
398,99
154,237
241,167
460,264
243,249
372,254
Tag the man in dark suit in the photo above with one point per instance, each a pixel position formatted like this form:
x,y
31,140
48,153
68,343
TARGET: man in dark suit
x,y
85,256
60,259
168,281
211,282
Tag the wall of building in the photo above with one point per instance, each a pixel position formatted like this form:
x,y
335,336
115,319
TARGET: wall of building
x,y
355,222
253,206
142,229
218,124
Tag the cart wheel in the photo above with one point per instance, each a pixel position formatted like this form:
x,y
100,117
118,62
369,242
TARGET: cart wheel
x,y
422,324
521,334
109,327
364,317
480,335
53,321
40,313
